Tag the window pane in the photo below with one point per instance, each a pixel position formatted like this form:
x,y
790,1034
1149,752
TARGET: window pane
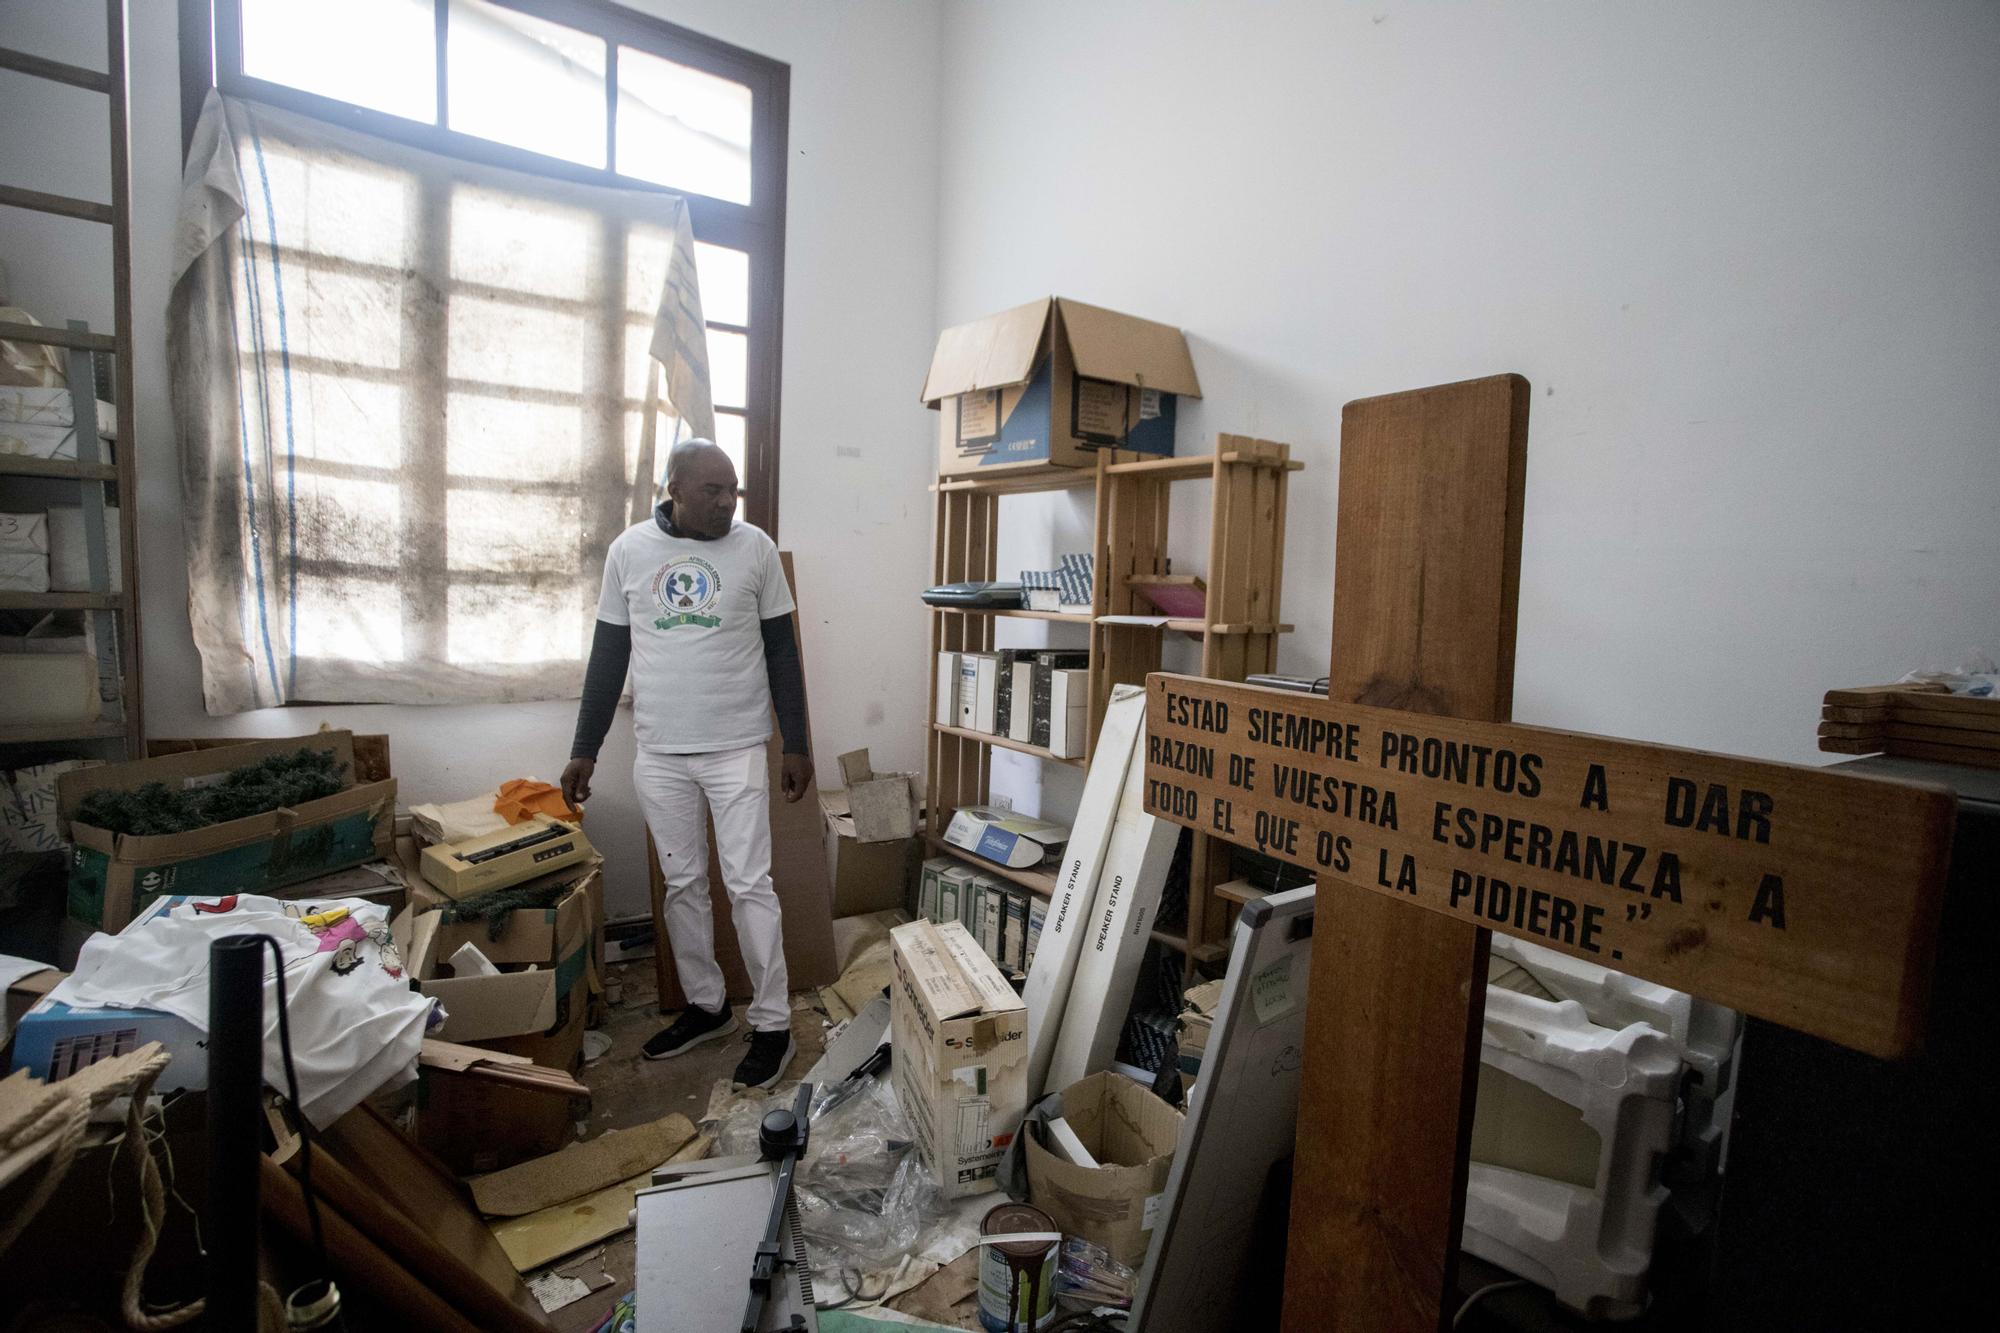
x,y
526,82
380,54
729,434
727,368
682,128
725,283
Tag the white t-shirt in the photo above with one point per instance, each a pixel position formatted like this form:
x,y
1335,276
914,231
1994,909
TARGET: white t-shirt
x,y
696,610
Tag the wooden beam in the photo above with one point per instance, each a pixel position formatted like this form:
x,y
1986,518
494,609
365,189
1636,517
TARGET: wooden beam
x,y
1427,563
60,204
46,336
54,70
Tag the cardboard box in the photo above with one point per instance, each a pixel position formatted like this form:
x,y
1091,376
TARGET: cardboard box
x,y
960,1034
113,875
1046,383
880,806
1132,1135
535,1008
53,1041
867,876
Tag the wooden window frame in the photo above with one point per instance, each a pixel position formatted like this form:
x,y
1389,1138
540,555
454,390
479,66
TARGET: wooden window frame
x,y
212,56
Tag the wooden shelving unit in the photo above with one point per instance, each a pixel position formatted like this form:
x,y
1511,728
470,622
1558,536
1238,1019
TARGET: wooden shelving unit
x,y
94,480
1239,627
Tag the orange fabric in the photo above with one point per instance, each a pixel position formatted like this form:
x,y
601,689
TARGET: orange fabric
x,y
521,799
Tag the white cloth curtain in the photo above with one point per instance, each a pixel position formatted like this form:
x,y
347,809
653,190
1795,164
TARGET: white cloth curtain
x,y
416,398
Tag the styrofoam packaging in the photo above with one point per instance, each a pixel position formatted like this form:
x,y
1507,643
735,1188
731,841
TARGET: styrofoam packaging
x,y
1056,947
1116,932
1707,1033
1591,1244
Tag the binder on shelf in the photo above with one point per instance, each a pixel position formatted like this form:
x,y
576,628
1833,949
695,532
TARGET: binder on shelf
x,y
1069,712
1021,709
947,689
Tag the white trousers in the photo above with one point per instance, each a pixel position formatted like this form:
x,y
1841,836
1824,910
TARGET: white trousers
x,y
678,792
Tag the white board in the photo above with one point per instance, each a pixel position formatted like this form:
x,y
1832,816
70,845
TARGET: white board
x,y
1200,1273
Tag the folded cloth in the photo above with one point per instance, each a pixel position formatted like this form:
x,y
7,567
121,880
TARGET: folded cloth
x,y
521,799
455,821
356,1024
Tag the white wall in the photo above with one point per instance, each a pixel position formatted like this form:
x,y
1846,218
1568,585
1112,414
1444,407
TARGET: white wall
x,y
1747,255
859,304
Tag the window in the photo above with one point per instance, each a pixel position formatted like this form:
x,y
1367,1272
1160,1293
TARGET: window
x,y
618,98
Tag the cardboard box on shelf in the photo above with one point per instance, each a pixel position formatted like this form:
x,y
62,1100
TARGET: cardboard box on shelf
x,y
1131,1134
113,875
1044,384
960,1034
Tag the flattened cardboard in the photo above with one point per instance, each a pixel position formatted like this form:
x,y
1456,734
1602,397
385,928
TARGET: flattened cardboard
x,y
581,1168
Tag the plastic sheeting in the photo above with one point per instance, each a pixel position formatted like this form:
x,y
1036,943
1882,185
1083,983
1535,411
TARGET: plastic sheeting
x,y
416,397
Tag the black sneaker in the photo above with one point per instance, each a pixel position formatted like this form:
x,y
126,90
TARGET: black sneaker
x,y
692,1028
770,1052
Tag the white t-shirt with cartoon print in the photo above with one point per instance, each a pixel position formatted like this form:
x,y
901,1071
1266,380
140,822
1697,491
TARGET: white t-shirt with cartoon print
x,y
696,609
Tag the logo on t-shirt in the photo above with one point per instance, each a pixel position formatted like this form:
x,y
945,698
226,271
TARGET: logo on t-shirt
x,y
686,589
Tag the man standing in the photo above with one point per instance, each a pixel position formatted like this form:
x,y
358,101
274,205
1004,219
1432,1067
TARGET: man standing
x,y
696,604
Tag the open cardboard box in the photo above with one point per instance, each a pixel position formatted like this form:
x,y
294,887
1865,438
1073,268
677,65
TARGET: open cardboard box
x,y
1044,384
113,875
534,1010
872,848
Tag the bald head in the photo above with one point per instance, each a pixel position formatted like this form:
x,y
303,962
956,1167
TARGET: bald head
x,y
701,481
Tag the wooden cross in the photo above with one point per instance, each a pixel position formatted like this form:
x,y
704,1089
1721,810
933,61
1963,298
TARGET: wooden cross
x,y
1795,894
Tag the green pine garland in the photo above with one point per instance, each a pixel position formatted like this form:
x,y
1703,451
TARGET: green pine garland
x,y
495,906
269,784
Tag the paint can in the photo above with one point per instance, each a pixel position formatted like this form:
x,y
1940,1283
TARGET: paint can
x,y
1017,1279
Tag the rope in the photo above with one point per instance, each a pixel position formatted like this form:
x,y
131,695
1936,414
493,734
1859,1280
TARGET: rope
x,y
153,1195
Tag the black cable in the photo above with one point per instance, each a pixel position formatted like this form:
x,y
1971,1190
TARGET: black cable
x,y
298,1113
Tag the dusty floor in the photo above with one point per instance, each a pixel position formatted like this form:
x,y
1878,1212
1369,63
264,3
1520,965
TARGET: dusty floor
x,y
628,1089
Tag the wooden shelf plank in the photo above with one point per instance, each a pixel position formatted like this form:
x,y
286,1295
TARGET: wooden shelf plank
x,y
18,465
55,70
1198,467
61,205
44,335
1240,891
1018,613
1021,483
51,733
60,601
1006,743
1042,882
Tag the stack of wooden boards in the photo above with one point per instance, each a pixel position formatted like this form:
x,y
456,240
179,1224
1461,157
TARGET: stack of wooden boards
x,y
1915,721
